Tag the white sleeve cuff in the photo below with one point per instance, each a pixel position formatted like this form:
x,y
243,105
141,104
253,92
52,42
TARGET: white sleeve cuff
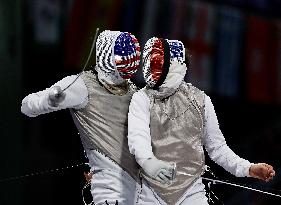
x,y
140,161
246,170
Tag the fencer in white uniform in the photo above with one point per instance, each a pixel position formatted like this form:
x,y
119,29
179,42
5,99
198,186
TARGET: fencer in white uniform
x,y
99,106
169,122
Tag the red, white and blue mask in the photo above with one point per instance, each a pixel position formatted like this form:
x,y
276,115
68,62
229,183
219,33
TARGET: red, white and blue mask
x,y
117,56
158,54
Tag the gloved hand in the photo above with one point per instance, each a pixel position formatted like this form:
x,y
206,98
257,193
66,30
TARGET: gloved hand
x,y
56,96
159,170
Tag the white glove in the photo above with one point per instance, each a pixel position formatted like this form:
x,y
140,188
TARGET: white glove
x,y
159,170
55,96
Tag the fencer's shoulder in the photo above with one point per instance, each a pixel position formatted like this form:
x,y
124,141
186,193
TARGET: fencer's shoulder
x,y
192,88
195,93
66,81
140,101
142,93
89,77
89,73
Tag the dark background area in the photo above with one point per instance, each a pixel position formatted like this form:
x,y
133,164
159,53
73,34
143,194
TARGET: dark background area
x,y
236,59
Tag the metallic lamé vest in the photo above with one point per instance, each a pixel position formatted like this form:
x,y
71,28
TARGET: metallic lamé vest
x,y
103,124
176,127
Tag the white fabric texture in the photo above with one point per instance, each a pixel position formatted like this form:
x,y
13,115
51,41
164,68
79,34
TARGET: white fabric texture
x,y
76,97
110,182
109,186
175,75
195,195
139,139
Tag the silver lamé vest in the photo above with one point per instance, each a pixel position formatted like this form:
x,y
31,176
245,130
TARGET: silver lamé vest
x,y
103,124
176,127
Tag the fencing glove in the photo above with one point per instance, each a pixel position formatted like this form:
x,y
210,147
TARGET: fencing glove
x,y
55,96
159,170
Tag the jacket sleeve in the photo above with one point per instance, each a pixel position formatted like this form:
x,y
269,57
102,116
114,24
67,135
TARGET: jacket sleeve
x,y
216,146
139,139
76,96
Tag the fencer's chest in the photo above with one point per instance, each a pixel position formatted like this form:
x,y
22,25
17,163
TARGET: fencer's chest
x,y
182,111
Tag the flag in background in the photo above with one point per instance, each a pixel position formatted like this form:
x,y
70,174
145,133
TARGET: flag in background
x,y
228,53
178,16
199,39
85,17
257,62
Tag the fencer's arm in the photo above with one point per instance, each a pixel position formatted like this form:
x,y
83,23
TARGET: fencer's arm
x,y
216,146
76,96
139,139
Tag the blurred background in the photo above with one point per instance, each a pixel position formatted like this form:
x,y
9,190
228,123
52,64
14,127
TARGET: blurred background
x,y
236,59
